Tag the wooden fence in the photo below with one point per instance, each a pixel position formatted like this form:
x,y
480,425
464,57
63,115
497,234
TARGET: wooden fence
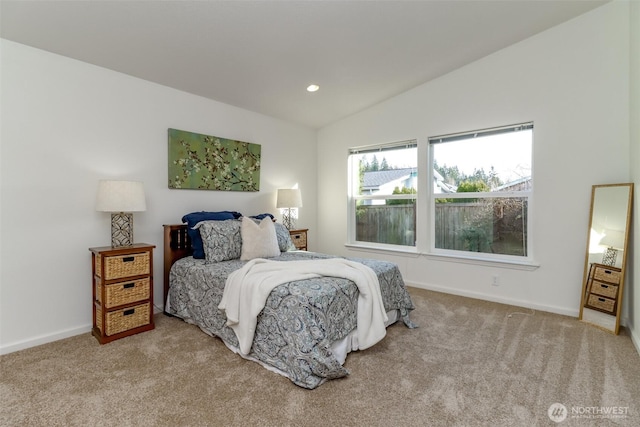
x,y
392,224
472,227
458,228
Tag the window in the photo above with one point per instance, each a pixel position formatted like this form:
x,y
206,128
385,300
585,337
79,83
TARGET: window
x,y
495,166
383,191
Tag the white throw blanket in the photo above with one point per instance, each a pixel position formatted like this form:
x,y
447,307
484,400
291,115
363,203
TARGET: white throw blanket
x,y
247,289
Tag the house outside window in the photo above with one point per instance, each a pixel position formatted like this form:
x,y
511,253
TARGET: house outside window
x,y
383,192
482,193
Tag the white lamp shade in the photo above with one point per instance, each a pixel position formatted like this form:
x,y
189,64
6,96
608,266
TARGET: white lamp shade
x,y
120,196
613,239
289,198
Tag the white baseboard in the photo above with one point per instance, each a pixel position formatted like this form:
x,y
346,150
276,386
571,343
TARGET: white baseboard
x,y
635,335
44,339
510,301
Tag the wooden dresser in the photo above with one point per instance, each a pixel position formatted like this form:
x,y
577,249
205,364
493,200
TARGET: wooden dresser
x,y
299,238
122,291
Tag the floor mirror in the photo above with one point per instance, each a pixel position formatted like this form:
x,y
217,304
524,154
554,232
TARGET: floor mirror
x,y
606,255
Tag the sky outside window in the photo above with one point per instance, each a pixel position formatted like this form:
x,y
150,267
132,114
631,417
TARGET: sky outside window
x,y
508,153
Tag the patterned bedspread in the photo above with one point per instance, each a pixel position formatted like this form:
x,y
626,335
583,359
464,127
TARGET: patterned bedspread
x,y
300,320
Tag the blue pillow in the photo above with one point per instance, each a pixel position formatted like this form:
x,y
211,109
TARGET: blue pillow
x,y
195,217
262,216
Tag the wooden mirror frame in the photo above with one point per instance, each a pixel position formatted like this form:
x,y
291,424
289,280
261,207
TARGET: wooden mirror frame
x,y
605,318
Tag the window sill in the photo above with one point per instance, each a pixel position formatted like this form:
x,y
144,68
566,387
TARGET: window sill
x,y
488,262
413,252
408,250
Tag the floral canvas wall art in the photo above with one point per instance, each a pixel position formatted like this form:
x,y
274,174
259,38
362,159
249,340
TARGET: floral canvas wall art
x,y
207,162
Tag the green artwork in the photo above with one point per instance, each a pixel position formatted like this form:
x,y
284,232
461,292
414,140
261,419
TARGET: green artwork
x,y
206,162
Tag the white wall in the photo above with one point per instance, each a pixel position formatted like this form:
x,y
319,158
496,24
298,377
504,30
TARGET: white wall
x,y
572,81
65,125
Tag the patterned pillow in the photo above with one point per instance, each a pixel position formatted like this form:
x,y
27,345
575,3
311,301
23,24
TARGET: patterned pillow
x,y
194,218
221,240
284,238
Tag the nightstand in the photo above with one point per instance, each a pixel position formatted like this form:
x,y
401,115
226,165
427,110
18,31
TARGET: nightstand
x,y
122,291
299,238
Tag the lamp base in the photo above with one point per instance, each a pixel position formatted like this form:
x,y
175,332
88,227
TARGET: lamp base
x,y
288,219
121,229
609,257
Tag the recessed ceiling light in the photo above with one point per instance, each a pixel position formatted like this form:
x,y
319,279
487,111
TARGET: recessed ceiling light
x,y
312,88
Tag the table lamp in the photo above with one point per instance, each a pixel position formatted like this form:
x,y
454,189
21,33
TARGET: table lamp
x,y
289,198
121,198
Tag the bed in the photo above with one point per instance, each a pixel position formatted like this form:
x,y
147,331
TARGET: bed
x,y
305,328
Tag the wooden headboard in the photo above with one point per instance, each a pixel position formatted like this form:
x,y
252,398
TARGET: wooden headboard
x,y
177,244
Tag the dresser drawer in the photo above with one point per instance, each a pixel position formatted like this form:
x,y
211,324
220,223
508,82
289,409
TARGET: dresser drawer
x,y
611,275
118,266
299,239
601,303
123,292
123,320
604,289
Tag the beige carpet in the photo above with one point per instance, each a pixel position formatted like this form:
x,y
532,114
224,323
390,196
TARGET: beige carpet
x,y
468,364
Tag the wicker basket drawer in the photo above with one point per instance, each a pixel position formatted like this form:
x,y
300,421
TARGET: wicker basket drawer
x,y
605,289
601,303
116,267
123,292
299,240
611,275
123,320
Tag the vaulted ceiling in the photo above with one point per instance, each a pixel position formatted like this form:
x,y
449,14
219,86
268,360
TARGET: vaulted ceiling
x,y
261,55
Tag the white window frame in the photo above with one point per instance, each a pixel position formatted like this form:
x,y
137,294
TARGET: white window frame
x,y
353,197
527,260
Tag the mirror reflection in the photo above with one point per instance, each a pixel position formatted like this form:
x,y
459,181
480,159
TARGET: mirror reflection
x,y
605,260
608,225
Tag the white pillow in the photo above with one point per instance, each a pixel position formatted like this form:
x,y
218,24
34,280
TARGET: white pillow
x,y
258,241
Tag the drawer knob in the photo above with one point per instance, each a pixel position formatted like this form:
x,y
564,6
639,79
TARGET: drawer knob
x,y
129,312
128,259
128,285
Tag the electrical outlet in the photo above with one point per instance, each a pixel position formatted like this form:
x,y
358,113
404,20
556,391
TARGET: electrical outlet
x,y
495,280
